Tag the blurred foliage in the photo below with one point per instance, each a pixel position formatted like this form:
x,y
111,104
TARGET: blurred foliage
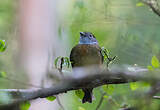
x,y
3,74
62,61
6,17
155,62
5,98
8,35
25,105
140,4
81,108
2,45
79,93
109,89
51,98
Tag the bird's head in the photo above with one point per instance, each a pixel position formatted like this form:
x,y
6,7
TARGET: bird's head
x,y
87,38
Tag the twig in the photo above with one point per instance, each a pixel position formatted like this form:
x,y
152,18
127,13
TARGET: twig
x,y
59,102
60,71
153,4
112,101
100,102
108,58
155,88
61,66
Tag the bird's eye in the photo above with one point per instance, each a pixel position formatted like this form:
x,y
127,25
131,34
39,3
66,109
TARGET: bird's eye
x,y
90,36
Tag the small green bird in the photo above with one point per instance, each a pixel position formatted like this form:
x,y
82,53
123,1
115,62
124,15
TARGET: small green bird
x,y
86,53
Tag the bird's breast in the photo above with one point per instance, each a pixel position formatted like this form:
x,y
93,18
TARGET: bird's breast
x,y
85,54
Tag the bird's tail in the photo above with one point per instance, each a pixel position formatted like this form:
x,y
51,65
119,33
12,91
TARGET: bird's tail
x,y
87,95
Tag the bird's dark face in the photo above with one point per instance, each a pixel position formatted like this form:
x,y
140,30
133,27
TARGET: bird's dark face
x,y
87,38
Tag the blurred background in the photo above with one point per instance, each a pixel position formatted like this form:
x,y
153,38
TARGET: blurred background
x,y
38,31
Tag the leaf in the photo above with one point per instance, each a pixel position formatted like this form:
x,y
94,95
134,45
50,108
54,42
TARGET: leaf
x,y
150,68
139,4
51,98
81,108
106,96
104,52
133,86
3,74
109,89
56,61
140,86
155,62
25,105
67,61
2,45
79,93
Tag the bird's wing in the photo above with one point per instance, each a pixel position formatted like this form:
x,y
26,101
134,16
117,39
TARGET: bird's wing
x,y
74,53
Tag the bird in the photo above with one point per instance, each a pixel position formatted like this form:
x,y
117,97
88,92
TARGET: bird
x,y
86,53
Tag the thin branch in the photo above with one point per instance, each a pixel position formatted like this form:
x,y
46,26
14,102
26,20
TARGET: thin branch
x,y
59,102
153,4
155,88
100,102
60,71
61,66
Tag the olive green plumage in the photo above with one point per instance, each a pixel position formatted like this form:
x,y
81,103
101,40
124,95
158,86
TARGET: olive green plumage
x,y
86,55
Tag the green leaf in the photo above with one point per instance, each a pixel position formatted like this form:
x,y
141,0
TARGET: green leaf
x,y
2,45
134,86
139,4
104,52
140,86
150,68
109,89
106,96
79,93
3,74
67,61
51,98
56,61
145,84
155,62
81,108
25,105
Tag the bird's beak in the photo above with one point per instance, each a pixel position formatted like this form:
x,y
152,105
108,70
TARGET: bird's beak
x,y
82,33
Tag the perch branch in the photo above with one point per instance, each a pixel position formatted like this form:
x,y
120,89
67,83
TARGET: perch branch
x,y
80,80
